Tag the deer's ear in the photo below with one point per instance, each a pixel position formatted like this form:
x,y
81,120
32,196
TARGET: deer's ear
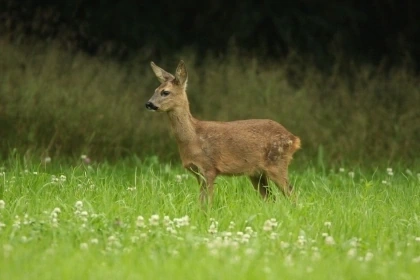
x,y
161,74
181,75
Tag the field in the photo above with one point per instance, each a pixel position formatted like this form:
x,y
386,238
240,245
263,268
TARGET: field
x,y
142,220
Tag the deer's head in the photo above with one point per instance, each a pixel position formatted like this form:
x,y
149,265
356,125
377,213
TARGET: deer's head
x,y
170,95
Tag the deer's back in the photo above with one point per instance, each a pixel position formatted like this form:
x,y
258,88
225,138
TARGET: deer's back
x,y
244,146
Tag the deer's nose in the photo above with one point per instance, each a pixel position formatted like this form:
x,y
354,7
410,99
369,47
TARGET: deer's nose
x,y
151,106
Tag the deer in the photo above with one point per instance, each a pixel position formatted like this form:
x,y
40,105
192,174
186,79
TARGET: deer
x,y
258,148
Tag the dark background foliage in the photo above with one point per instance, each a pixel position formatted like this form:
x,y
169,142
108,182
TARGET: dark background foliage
x,y
366,30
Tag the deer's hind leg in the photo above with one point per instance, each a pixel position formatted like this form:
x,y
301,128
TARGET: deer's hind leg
x,y
260,183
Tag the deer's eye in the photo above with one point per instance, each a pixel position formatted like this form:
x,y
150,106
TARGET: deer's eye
x,y
165,93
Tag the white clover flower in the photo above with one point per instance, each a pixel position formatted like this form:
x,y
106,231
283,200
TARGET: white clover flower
x,y
341,169
131,189
2,225
154,220
245,238
213,228
269,225
2,204
63,178
171,230
94,241
351,174
178,178
84,246
301,240
324,234
35,173
274,235
83,157
16,223
249,230
79,205
389,170
284,245
182,222
47,160
140,222
231,225
329,240
417,239
167,221
369,256
327,224
352,252
416,260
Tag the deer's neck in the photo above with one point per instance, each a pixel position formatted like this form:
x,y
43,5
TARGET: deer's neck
x,y
183,125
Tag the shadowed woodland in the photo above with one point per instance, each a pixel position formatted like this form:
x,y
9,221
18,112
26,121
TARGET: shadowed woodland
x,y
342,76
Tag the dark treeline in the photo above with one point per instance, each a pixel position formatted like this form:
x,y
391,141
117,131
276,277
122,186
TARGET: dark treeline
x,y
367,31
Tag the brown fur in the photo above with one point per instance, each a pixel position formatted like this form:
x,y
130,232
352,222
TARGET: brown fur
x,y
260,149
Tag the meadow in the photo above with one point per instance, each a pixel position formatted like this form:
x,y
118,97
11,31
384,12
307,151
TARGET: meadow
x,y
141,219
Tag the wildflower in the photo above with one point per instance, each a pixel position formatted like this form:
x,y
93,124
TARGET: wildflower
x,y
341,169
154,220
178,178
417,239
131,189
352,252
245,238
213,227
269,225
2,204
79,205
329,240
2,225
94,241
327,224
231,225
408,171
47,160
16,224
324,234
171,230
249,230
35,173
369,256
301,240
167,221
63,178
385,182
140,222
182,222
273,235
351,174
284,245
416,260
84,246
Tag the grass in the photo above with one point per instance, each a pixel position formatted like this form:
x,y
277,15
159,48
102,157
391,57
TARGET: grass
x,y
58,103
71,220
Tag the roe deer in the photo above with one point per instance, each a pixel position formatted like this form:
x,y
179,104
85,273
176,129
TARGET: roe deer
x,y
261,149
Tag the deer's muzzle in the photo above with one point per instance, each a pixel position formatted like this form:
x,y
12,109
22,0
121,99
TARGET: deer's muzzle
x,y
151,106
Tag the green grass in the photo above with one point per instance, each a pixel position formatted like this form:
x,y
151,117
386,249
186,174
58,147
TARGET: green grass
x,y
365,226
59,103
